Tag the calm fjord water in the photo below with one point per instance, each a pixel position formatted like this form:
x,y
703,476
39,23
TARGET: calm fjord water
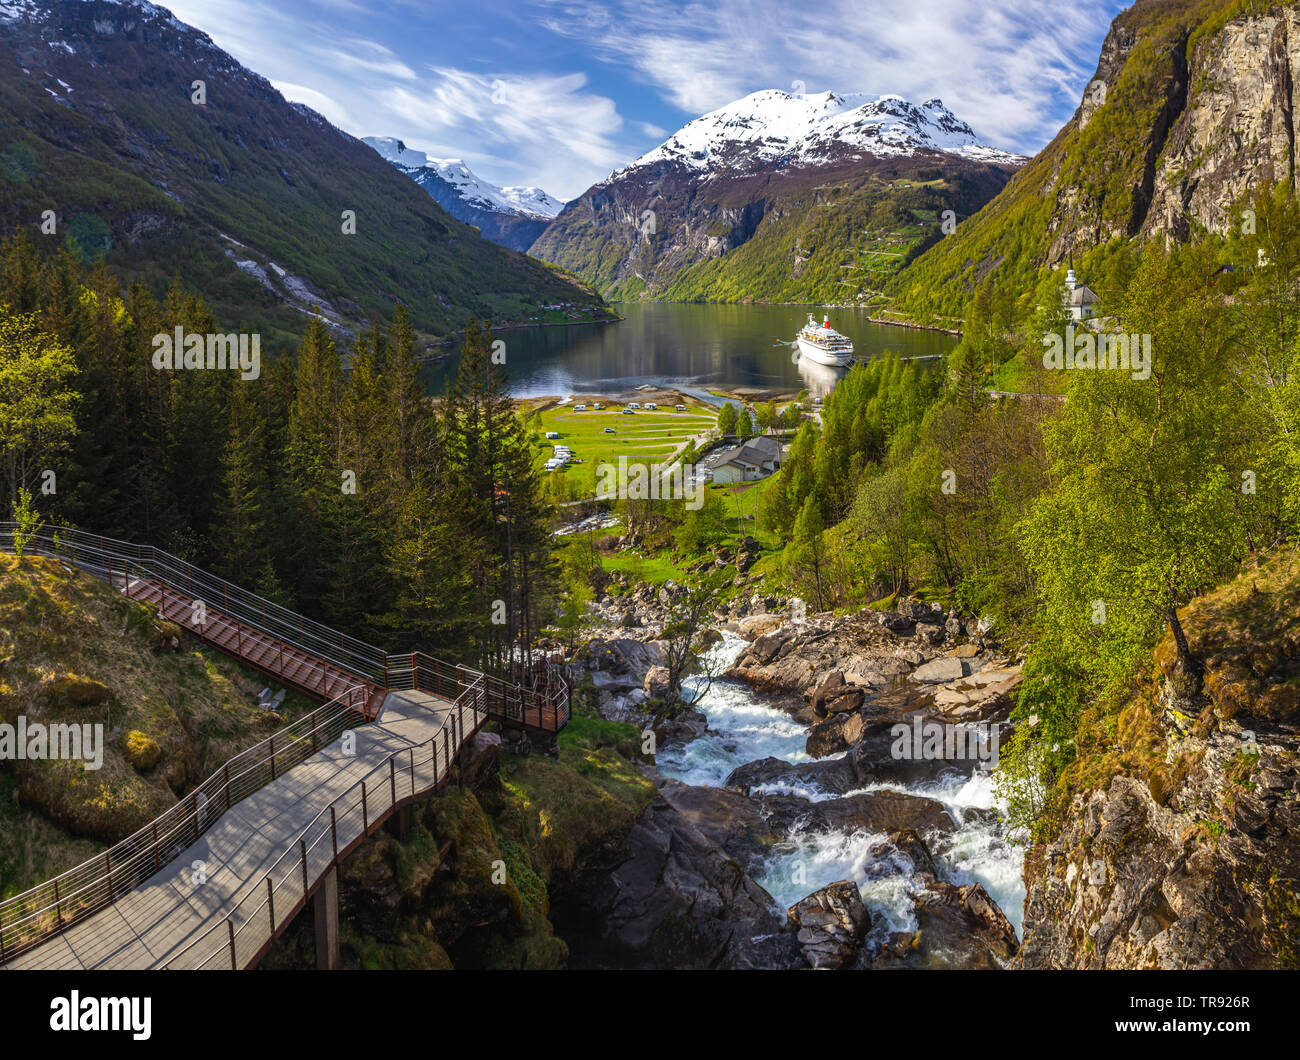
x,y
688,345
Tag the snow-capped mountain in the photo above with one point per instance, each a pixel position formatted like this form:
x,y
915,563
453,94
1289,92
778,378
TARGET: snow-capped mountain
x,y
779,197
777,128
512,216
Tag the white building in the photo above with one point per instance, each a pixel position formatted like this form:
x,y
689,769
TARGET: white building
x,y
1079,298
756,459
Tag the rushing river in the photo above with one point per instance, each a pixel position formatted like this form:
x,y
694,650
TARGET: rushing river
x,y
688,346
743,728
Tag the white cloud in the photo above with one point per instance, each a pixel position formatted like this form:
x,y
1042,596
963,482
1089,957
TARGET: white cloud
x,y
1008,70
543,129
1013,71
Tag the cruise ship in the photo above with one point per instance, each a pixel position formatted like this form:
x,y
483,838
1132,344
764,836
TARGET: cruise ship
x,y
824,344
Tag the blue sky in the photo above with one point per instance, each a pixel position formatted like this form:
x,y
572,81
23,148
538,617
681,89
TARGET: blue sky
x,y
558,93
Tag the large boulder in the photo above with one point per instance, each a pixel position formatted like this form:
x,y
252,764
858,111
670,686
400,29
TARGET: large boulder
x,y
765,648
939,671
834,776
875,811
756,625
656,681
731,820
957,927
835,734
830,924
670,897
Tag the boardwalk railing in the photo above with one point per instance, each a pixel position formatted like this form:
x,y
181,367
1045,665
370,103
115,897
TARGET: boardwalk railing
x,y
28,919
113,561
537,699
240,938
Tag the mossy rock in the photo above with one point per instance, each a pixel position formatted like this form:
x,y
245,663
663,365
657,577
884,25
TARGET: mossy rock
x,y
76,690
142,751
166,636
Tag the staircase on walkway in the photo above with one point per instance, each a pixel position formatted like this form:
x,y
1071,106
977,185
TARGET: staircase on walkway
x,y
214,880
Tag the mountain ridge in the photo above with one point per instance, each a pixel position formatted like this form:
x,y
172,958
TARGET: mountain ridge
x,y
102,125
511,216
778,197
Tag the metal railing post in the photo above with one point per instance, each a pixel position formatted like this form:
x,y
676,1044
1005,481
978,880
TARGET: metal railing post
x,y
234,963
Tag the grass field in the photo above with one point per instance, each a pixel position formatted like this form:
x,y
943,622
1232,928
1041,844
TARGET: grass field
x,y
645,437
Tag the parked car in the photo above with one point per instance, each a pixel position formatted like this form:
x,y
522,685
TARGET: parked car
x,y
609,430
552,434
652,406
633,405
579,408
680,408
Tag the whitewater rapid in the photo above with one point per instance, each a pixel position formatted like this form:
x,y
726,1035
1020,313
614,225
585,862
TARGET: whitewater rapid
x,y
742,728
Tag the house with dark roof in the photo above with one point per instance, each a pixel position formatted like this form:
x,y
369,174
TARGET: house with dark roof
x,y
1080,299
756,459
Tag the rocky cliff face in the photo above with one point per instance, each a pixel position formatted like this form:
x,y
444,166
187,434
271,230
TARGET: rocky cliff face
x,y
1178,848
1237,129
1189,110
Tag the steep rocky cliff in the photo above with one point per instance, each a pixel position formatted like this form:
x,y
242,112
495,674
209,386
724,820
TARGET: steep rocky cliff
x,y
1190,108
1178,845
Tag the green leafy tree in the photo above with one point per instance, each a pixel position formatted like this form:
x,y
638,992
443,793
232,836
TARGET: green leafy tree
x,y
28,522
1145,512
37,399
727,419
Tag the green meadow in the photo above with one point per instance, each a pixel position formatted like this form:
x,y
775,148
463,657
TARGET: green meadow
x,y
644,437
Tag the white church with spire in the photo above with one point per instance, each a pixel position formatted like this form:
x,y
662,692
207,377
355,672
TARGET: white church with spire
x,y
1079,299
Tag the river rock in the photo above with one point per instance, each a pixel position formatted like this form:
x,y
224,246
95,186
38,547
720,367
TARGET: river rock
x,y
830,924
875,811
670,897
765,648
755,626
727,818
957,927
656,681
835,734
834,776
908,842
939,671
683,727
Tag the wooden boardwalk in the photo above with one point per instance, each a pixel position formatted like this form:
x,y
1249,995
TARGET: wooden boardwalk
x,y
213,907
286,662
213,880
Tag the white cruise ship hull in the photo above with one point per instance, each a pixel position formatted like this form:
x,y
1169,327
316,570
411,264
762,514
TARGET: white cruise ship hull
x,y
827,357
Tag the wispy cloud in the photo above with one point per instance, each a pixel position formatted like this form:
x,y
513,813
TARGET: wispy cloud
x,y
1012,70
560,92
511,125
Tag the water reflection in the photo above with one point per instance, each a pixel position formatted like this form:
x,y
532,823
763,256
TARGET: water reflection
x,y
698,346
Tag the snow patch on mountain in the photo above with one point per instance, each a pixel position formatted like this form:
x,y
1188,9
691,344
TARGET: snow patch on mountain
x,y
777,128
473,189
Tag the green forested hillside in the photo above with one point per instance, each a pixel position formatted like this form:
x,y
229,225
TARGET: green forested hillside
x,y
134,169
1090,192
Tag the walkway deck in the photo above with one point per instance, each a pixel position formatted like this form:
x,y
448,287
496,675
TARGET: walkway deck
x,y
282,660
285,832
